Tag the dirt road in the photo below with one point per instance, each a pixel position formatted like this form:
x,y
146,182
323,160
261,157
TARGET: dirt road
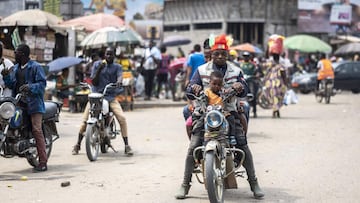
x,y
311,154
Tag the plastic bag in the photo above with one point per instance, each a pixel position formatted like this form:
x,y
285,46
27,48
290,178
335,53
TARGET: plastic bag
x,y
290,97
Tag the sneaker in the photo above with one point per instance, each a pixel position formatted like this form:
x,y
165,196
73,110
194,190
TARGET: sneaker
x,y
76,150
128,150
40,168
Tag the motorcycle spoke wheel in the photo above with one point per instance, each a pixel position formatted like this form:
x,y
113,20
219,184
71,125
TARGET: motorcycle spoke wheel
x,y
33,158
92,142
214,179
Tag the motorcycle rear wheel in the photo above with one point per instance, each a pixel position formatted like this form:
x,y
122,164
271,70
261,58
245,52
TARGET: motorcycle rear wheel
x,y
33,159
214,181
92,142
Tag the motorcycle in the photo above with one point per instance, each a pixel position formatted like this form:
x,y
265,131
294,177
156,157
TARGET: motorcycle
x,y
325,90
216,156
261,99
16,138
101,125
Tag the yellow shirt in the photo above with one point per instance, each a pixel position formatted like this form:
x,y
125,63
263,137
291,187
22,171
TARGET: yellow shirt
x,y
213,99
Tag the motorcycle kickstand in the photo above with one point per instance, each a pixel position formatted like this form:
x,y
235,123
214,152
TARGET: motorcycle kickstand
x,y
112,148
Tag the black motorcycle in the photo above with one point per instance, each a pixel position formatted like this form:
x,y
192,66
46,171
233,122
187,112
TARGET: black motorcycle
x,y
16,138
325,91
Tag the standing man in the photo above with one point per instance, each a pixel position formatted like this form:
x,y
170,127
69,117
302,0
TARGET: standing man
x,y
8,65
103,73
200,81
150,63
29,77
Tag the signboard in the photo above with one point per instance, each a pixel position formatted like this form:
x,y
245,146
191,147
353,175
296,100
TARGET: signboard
x,y
328,16
340,14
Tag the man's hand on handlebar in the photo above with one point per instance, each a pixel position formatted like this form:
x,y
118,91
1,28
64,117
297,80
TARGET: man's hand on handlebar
x,y
196,88
237,86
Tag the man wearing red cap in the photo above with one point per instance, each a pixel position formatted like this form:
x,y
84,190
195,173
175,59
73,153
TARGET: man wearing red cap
x,y
232,78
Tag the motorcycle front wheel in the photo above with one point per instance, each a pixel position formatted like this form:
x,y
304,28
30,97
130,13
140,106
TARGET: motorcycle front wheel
x,y
213,178
33,159
92,142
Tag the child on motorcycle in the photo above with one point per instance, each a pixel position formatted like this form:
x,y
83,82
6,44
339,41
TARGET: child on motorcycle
x,y
213,94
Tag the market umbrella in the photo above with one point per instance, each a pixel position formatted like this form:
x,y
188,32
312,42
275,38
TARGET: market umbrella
x,y
347,49
32,17
247,47
95,21
63,62
175,40
307,44
111,36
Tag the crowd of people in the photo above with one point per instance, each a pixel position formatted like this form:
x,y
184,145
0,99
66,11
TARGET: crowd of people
x,y
208,67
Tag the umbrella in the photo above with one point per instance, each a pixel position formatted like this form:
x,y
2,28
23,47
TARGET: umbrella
x,y
307,44
32,17
347,49
63,62
247,47
176,40
95,21
177,63
111,36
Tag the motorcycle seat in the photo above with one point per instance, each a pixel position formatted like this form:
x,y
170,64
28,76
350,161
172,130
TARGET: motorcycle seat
x,y
51,110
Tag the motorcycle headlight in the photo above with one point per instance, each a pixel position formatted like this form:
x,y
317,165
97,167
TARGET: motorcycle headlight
x,y
7,110
214,119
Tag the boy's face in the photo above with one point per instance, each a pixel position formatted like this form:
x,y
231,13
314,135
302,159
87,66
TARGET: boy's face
x,y
216,84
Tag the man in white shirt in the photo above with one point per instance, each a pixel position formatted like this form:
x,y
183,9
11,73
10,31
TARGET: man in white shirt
x,y
151,60
4,64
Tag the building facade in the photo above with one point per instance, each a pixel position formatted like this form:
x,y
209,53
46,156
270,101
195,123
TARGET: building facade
x,y
250,21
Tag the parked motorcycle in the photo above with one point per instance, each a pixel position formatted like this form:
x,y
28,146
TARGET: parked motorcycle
x,y
325,91
101,125
216,156
16,138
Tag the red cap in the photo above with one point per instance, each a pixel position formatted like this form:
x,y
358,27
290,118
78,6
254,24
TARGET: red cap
x,y
220,43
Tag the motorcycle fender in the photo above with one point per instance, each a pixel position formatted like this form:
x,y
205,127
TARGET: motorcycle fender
x,y
91,121
212,145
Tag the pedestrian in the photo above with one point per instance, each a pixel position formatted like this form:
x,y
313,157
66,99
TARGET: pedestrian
x,y
103,73
232,77
275,84
162,72
195,60
150,64
28,77
233,57
8,65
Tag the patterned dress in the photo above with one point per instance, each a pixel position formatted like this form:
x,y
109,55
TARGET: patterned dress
x,y
275,85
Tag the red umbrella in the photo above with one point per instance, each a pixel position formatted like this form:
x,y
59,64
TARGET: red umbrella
x,y
177,63
175,67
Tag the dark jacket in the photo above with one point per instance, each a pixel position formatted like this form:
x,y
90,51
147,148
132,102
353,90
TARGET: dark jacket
x,y
35,77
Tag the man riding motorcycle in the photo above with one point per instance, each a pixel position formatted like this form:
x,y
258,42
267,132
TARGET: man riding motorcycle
x,y
232,78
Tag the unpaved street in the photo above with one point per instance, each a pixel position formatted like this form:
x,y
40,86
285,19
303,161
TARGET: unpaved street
x,y
311,154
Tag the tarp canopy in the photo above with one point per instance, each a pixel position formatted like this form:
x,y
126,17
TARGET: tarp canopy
x,y
94,22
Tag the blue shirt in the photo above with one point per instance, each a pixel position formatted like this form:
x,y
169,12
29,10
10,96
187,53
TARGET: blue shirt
x,y
109,74
35,78
194,61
